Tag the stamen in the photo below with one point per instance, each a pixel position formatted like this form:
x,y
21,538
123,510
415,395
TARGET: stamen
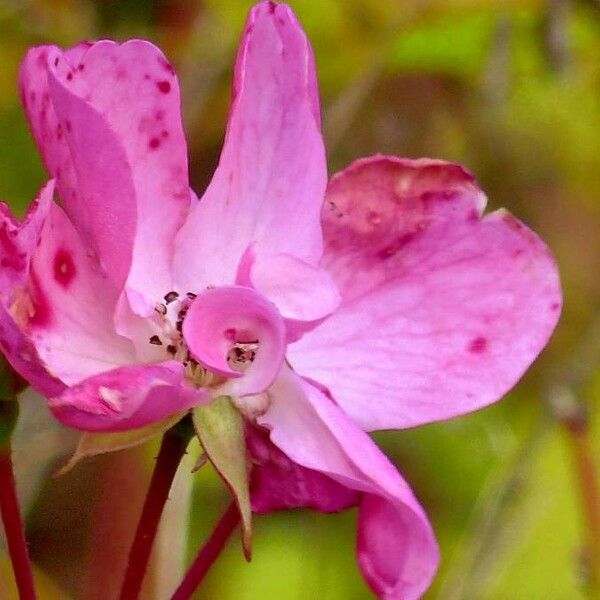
x,y
191,295
161,309
155,340
242,355
171,349
171,296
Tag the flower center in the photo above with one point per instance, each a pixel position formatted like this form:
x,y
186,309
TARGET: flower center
x,y
171,314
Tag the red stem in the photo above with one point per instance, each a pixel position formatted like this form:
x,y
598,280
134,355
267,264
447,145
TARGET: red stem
x,y
208,553
13,526
171,452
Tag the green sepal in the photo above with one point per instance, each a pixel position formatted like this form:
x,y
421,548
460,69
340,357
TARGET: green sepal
x,y
92,444
220,430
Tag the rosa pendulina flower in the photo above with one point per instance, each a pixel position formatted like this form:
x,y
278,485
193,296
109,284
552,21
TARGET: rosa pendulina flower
x,y
384,300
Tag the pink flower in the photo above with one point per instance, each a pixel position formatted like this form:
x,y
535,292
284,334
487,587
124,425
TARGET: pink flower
x,y
391,304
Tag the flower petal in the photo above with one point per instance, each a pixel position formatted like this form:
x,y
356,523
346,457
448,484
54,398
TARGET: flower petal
x,y
278,483
23,358
397,551
108,122
303,293
220,318
442,310
127,397
270,183
18,241
69,305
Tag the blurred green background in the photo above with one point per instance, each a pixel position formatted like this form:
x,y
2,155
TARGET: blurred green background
x,y
509,88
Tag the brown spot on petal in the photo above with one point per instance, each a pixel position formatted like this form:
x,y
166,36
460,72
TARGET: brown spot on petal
x,y
478,345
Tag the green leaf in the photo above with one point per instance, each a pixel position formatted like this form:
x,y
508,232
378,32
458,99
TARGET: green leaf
x,y
91,444
220,429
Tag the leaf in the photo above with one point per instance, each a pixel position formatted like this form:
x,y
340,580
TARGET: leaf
x,y
91,444
220,429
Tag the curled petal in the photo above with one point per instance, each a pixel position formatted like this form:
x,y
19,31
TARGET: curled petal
x,y
18,242
442,310
303,293
127,398
269,186
227,318
396,549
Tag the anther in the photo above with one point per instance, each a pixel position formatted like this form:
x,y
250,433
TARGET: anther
x,y
161,309
171,296
155,340
191,295
171,349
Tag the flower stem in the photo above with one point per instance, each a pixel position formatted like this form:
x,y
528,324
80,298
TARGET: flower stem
x,y
573,415
589,494
208,553
172,449
13,526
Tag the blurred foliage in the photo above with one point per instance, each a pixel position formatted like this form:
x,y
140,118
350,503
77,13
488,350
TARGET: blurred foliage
x,y
511,88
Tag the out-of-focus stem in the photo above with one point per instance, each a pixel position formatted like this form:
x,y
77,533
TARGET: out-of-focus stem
x,y
13,527
208,553
172,449
573,416
589,492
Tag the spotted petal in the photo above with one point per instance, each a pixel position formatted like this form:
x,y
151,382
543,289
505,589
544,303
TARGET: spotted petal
x,y
69,305
442,310
107,119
